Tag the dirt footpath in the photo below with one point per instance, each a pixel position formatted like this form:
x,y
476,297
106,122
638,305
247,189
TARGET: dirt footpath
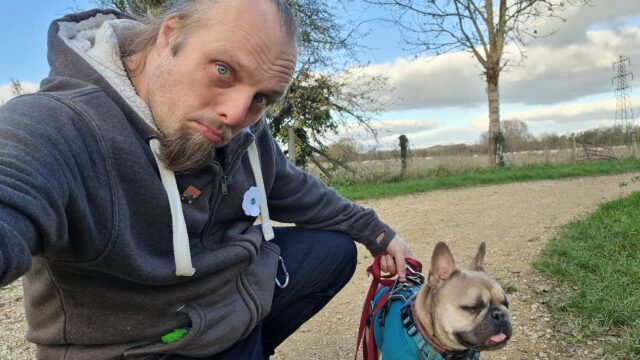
x,y
515,220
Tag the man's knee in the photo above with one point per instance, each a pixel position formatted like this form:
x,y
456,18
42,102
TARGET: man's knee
x,y
345,254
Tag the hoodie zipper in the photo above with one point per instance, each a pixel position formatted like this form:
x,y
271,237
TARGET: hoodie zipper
x,y
224,185
224,189
233,161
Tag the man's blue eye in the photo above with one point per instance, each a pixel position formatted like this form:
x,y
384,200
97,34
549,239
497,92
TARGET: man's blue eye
x,y
222,70
260,99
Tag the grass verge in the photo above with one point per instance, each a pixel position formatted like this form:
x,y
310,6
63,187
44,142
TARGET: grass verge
x,y
598,259
474,177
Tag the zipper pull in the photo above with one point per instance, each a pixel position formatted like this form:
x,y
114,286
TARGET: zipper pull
x,y
224,185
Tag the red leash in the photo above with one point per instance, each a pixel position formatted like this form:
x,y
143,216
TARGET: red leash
x,y
370,352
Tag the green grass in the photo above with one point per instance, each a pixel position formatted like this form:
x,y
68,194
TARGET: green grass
x,y
598,261
473,177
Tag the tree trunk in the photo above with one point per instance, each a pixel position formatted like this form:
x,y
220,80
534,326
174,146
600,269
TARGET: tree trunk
x,y
324,170
492,76
292,145
331,160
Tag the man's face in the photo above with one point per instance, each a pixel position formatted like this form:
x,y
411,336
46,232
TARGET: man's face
x,y
226,74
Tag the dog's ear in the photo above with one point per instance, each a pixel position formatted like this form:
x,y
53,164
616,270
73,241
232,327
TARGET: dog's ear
x,y
477,264
442,264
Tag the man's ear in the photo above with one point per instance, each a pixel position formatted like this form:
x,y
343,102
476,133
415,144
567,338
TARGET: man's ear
x,y
442,265
168,32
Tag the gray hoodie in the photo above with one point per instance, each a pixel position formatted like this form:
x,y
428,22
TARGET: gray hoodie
x,y
86,213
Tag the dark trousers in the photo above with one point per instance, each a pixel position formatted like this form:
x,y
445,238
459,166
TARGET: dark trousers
x,y
319,264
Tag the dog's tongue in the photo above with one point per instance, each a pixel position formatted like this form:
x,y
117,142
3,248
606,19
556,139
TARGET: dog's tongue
x,y
498,338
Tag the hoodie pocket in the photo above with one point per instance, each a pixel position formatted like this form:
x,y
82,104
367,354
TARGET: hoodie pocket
x,y
211,331
196,318
223,318
260,278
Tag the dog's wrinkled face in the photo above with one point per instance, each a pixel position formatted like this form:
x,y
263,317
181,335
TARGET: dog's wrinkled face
x,y
471,311
465,309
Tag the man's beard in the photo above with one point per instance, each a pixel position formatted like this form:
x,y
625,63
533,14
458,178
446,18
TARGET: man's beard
x,y
185,151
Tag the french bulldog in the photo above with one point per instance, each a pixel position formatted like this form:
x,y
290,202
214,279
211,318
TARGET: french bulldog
x,y
454,315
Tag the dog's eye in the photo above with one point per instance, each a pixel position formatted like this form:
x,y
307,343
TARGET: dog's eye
x,y
472,309
506,303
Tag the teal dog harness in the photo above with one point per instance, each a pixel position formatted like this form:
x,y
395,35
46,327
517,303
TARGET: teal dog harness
x,y
387,312
395,331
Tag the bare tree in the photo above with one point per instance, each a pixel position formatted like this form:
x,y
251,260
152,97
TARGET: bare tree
x,y
482,27
137,7
516,134
16,87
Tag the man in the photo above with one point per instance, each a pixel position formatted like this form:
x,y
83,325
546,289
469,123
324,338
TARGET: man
x,y
130,184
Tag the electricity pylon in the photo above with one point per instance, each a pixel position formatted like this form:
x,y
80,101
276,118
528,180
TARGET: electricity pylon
x,y
624,110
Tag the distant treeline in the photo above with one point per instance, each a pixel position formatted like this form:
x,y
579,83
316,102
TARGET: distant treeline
x,y
517,138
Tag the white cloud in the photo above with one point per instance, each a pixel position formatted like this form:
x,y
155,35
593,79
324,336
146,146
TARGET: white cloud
x,y
6,94
448,80
600,110
420,132
388,129
611,14
554,75
563,118
578,65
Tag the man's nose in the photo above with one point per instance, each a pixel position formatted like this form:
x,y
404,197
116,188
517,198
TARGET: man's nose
x,y
234,109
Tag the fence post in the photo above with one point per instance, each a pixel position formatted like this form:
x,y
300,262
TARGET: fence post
x,y
573,148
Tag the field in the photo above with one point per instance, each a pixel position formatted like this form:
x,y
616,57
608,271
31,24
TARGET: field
x,y
385,170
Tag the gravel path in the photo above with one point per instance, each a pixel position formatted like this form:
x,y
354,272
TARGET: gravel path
x,y
514,219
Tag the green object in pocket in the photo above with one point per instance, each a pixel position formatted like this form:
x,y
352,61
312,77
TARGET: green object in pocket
x,y
175,335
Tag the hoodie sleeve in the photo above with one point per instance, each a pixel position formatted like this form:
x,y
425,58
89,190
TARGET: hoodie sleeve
x,y
27,173
42,156
295,196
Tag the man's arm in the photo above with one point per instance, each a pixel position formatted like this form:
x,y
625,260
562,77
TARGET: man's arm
x,y
15,253
35,172
295,196
26,183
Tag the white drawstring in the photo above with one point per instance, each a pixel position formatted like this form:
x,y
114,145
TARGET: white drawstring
x,y
267,228
181,249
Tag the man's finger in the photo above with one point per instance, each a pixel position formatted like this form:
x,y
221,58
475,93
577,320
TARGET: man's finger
x,y
400,268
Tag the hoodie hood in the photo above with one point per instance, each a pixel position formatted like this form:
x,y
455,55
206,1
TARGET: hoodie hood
x,y
93,37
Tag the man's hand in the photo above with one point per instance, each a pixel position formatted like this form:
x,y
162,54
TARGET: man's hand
x,y
392,260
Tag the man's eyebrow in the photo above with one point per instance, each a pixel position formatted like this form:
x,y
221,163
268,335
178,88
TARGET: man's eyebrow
x,y
233,60
277,94
230,58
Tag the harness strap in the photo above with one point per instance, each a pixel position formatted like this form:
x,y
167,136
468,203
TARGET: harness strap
x,y
426,350
436,350
370,352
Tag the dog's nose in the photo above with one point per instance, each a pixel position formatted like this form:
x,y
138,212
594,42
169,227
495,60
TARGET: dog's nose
x,y
497,314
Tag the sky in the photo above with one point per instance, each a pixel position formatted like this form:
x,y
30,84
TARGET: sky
x,y
563,85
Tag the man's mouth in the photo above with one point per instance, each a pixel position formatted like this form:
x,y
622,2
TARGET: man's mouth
x,y
214,135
